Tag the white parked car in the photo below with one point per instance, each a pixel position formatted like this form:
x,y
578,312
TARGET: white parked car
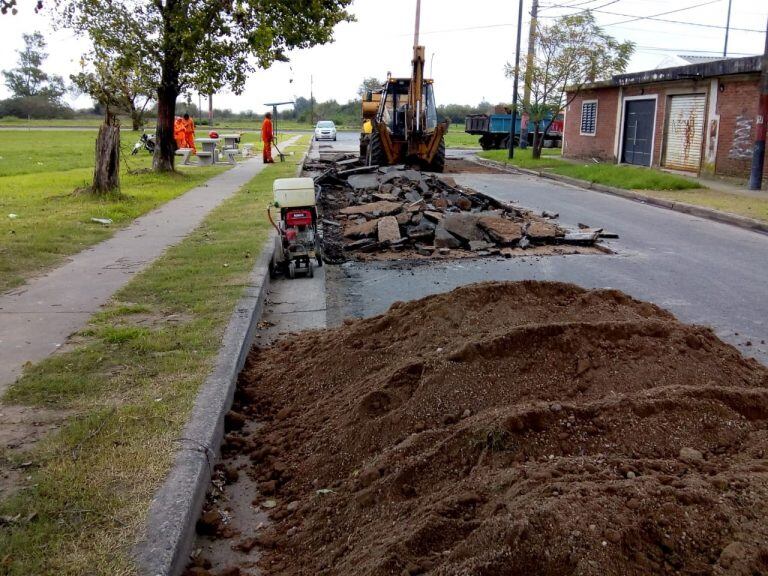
x,y
325,130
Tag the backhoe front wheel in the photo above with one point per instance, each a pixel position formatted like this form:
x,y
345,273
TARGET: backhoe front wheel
x,y
375,152
438,162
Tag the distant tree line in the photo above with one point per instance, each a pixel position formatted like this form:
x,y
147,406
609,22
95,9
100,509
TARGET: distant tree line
x,y
38,95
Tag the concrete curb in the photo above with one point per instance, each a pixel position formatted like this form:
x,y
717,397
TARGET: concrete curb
x,y
177,505
699,211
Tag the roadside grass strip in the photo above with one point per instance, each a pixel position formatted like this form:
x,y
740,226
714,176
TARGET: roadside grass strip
x,y
127,386
619,176
742,205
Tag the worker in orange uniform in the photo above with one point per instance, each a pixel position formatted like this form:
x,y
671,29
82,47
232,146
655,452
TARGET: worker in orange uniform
x,y
189,133
267,137
178,133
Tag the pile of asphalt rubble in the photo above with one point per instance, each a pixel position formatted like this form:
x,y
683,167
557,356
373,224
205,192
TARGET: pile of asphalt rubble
x,y
395,209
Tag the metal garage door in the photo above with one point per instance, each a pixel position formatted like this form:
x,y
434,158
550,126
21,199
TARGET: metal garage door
x,y
685,131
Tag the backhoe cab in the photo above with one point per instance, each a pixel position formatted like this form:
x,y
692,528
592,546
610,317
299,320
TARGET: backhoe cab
x,y
402,117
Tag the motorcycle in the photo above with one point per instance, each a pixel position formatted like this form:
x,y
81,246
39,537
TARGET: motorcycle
x,y
146,142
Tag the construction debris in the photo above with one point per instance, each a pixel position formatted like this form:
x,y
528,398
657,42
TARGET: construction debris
x,y
375,210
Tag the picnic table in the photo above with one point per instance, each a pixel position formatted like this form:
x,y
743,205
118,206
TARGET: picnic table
x,y
208,144
231,140
208,154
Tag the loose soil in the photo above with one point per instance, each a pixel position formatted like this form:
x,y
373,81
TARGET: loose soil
x,y
504,429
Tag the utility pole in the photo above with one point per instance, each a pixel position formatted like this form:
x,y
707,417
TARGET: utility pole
x,y
511,149
210,109
311,99
758,153
529,75
727,29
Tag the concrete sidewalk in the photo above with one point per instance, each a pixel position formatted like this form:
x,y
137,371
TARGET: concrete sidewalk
x,y
37,318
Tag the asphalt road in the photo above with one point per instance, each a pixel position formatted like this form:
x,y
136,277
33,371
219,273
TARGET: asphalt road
x,y
704,272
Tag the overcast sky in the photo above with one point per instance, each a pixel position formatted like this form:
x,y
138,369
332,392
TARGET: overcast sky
x,y
467,44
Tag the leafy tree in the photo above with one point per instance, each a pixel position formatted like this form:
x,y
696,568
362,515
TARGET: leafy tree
x,y
202,44
120,83
29,79
9,6
368,85
570,53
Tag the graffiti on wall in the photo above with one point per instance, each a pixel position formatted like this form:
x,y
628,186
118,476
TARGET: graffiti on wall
x,y
741,145
714,126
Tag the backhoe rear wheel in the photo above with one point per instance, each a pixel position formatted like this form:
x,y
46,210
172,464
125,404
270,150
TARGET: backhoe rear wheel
x,y
438,162
376,156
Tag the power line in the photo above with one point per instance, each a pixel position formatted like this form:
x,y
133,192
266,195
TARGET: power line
x,y
635,17
689,51
664,13
568,5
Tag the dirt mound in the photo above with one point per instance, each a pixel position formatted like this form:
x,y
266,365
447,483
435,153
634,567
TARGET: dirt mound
x,y
510,429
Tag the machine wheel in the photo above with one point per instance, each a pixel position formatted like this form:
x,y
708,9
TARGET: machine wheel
x,y
503,143
292,269
272,271
487,142
310,269
376,156
438,162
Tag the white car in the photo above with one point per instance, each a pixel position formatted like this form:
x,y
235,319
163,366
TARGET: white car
x,y
325,130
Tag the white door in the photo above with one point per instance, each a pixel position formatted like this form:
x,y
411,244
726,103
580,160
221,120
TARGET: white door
x,y
685,131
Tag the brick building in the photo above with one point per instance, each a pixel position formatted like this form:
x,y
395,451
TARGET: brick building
x,y
698,118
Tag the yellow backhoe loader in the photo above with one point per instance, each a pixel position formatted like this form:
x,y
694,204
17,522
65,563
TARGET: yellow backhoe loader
x,y
400,120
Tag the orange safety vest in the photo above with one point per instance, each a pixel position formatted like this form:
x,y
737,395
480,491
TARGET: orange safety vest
x,y
178,132
266,130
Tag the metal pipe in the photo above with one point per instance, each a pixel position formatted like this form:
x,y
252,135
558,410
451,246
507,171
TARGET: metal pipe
x,y
511,149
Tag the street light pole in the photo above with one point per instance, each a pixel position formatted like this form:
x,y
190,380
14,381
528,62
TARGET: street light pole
x,y
526,118
511,149
727,29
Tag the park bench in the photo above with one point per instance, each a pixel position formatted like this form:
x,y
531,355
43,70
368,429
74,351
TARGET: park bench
x,y
229,154
185,152
205,158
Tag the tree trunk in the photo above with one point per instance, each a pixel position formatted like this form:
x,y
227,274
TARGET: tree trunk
x,y
136,118
537,141
166,146
106,173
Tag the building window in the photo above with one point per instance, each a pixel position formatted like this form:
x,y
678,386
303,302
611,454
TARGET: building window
x,y
588,117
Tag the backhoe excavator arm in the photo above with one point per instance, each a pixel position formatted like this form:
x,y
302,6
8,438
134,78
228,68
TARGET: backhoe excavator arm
x,y
415,121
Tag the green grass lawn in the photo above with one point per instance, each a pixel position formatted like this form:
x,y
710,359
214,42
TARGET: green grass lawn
x,y
51,222
619,176
128,387
457,138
